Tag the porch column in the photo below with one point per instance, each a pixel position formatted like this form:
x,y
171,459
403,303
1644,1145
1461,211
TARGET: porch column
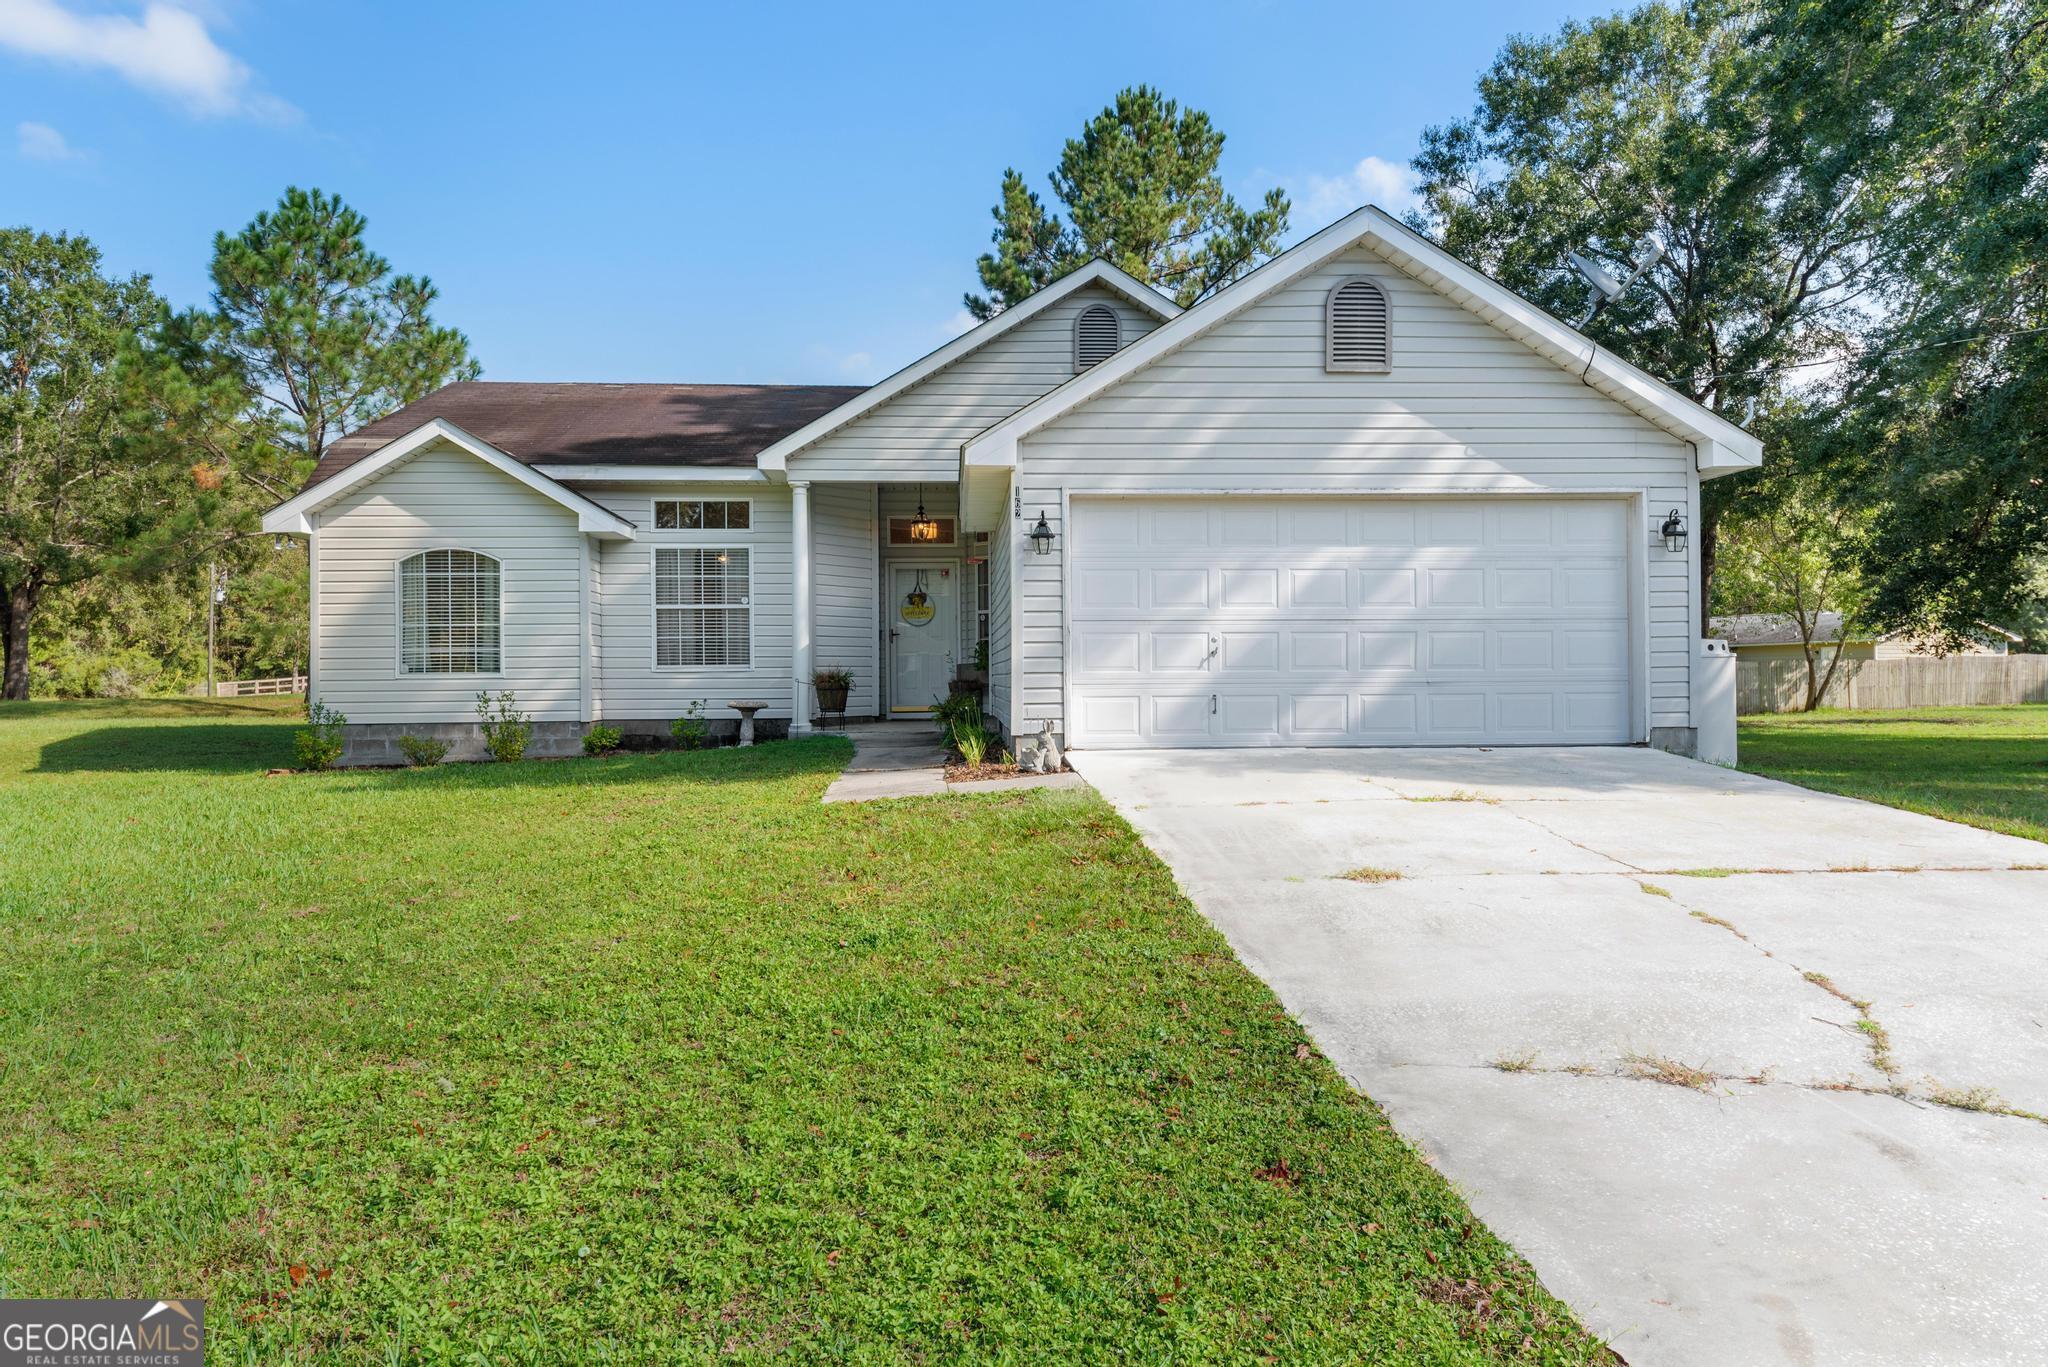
x,y
800,657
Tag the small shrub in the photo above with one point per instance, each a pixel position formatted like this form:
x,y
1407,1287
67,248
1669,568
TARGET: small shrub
x,y
690,730
422,752
319,745
506,729
602,740
961,708
972,742
981,656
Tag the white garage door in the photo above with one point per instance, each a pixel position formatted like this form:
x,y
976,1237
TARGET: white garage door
x,y
1249,621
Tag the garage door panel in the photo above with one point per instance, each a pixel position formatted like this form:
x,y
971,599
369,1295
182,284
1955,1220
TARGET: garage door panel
x,y
1326,622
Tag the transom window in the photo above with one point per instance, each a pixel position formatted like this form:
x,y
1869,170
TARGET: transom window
x,y
448,613
900,533
703,607
703,515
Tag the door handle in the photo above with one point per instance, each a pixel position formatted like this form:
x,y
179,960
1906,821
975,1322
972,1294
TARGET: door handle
x,y
1214,646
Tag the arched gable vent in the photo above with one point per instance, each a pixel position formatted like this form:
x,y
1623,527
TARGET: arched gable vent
x,y
1358,334
1097,335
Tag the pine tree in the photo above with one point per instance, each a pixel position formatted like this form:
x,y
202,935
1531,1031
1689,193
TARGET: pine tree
x,y
1141,190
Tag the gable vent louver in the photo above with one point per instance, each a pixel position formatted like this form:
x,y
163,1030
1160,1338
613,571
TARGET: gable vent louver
x,y
1097,335
1358,333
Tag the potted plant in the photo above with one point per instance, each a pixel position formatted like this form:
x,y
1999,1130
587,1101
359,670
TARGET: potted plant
x,y
833,684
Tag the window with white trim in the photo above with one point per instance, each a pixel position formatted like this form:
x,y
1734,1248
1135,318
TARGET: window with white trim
x,y
703,515
448,613
703,607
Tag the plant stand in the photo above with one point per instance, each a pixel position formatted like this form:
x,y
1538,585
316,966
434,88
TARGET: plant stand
x,y
746,711
832,703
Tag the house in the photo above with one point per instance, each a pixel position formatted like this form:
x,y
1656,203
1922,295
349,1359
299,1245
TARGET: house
x,y
1363,496
1775,636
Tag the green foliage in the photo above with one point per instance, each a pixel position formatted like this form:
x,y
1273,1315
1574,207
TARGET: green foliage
x,y
957,707
1771,195
325,337
309,336
1141,190
832,678
602,740
725,1092
506,729
1789,550
75,502
959,716
422,752
319,744
1940,421
981,656
973,743
690,731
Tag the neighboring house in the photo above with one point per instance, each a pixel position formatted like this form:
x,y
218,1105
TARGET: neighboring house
x,y
1363,496
1775,636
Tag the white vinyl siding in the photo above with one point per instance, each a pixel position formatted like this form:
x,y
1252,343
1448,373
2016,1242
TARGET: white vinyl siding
x,y
1250,406
844,612
917,434
443,498
632,687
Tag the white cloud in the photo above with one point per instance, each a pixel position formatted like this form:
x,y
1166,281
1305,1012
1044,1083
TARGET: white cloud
x,y
961,321
40,142
167,51
1322,200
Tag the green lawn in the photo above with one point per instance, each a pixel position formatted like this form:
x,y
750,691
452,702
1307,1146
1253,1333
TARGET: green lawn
x,y
657,1058
1987,766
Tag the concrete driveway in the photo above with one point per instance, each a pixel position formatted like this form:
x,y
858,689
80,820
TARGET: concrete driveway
x,y
1613,995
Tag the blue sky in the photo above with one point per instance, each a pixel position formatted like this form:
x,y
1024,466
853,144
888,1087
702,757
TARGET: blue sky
x,y
684,192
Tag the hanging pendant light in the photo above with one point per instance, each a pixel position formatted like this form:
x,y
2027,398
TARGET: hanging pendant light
x,y
923,528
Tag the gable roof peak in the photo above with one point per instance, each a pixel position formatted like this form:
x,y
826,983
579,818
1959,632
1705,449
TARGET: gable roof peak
x,y
1720,446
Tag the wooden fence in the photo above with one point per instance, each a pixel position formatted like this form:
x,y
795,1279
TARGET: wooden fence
x,y
257,688
1917,681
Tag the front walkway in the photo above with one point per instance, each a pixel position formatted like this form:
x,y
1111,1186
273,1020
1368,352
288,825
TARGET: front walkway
x,y
1710,1050
907,759
891,759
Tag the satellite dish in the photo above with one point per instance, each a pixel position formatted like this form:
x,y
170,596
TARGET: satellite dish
x,y
1605,285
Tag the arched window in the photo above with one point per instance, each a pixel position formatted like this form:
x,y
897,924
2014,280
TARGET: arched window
x,y
448,613
1097,335
1356,327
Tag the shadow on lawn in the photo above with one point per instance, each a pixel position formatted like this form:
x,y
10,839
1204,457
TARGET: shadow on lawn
x,y
241,748
229,748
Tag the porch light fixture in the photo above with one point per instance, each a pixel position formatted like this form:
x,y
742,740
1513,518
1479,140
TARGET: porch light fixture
x,y
1674,531
923,528
1042,535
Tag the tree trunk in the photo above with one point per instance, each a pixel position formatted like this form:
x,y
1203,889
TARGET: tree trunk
x,y
21,605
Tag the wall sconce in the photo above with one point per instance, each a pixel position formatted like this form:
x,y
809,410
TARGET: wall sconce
x,y
1674,531
1042,535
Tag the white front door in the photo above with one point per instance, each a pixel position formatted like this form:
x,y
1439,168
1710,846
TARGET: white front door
x,y
1326,621
923,620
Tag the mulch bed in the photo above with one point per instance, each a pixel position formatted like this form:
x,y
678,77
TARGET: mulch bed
x,y
974,773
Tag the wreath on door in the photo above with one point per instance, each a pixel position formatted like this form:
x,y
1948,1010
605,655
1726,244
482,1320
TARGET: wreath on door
x,y
917,604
